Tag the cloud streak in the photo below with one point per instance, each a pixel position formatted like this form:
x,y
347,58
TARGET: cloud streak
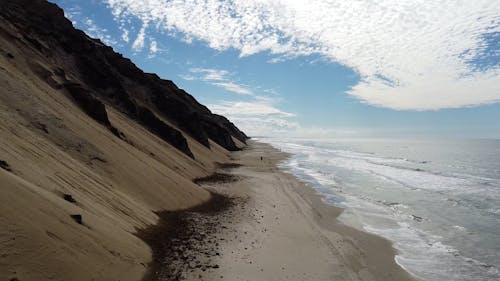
x,y
90,27
418,55
217,77
256,108
138,44
258,117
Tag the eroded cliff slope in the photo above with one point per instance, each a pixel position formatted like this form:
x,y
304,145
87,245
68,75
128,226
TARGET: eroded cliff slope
x,y
90,147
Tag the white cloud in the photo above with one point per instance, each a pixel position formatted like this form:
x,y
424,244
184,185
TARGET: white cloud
x,y
256,108
153,48
138,44
217,77
265,126
93,30
258,117
232,87
125,35
209,74
188,77
74,14
409,54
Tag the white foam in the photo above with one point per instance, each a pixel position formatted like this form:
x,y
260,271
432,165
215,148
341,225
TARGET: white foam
x,y
420,252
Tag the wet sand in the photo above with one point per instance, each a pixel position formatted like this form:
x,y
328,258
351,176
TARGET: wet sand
x,y
264,224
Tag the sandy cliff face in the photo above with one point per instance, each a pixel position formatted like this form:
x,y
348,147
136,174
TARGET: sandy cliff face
x,y
84,132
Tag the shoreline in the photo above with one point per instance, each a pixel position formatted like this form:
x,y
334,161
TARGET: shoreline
x,y
275,228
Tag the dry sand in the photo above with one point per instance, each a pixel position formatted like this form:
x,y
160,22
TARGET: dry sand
x,y
50,148
279,229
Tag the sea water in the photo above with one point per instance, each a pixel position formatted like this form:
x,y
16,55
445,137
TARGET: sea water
x,y
438,201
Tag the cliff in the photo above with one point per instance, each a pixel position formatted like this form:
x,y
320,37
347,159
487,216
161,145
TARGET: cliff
x,y
89,70
90,148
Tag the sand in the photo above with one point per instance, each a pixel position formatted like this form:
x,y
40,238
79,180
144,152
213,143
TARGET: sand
x,y
51,148
133,194
276,229
279,229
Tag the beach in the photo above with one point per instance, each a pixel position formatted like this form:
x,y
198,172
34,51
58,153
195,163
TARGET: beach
x,y
125,148
276,228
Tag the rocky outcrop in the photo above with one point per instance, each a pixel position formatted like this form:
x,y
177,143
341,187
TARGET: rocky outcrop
x,y
106,78
92,106
164,131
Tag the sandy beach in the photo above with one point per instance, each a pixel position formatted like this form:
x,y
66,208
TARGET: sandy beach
x,y
276,228
125,152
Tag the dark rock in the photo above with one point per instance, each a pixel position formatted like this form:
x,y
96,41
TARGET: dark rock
x,y
229,126
115,132
4,165
88,103
77,218
417,218
164,131
35,43
91,105
69,198
219,134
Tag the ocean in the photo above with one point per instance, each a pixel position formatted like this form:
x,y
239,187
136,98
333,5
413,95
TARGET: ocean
x,y
437,200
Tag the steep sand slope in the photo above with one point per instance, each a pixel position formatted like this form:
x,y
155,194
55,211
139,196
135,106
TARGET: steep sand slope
x,y
53,148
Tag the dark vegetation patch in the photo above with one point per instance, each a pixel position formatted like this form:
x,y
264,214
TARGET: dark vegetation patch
x,y
4,165
216,178
186,241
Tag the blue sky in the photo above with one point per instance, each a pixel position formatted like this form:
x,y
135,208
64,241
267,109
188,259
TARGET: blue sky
x,y
312,68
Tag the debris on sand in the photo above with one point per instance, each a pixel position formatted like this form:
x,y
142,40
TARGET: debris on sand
x,y
216,178
186,241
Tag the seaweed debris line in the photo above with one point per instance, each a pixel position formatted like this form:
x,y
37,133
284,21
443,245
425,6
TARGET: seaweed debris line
x,y
186,241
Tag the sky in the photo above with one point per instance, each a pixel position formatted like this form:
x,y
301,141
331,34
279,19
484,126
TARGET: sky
x,y
311,68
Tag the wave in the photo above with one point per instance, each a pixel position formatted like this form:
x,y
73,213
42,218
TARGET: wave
x,y
368,186
392,169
